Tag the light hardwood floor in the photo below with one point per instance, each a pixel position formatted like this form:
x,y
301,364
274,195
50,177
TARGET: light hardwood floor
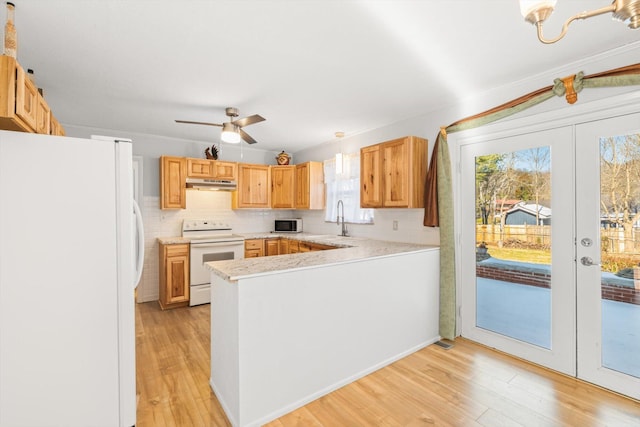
x,y
468,385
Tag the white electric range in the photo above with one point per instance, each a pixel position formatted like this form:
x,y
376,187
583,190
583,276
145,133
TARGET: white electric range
x,y
211,240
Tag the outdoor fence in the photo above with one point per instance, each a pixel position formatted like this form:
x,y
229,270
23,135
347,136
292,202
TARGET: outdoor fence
x,y
494,234
613,240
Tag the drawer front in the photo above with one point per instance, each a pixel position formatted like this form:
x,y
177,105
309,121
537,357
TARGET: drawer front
x,y
176,250
253,244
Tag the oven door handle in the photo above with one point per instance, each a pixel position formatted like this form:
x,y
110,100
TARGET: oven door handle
x,y
216,244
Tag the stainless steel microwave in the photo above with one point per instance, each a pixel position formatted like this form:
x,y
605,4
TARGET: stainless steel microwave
x,y
293,225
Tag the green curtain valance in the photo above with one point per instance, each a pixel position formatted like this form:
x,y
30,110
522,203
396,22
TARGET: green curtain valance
x,y
438,195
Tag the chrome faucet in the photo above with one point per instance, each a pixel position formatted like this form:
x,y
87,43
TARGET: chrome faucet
x,y
341,218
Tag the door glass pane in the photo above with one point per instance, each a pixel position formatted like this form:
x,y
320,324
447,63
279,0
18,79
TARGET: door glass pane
x,y
513,244
620,252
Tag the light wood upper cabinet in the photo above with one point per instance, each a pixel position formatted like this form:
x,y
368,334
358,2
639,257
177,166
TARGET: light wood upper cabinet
x,y
199,168
392,173
254,190
212,169
22,108
282,187
370,177
309,186
174,275
43,121
173,175
26,99
225,170
56,128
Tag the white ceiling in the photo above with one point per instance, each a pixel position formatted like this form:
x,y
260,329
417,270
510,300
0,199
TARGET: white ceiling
x,y
310,67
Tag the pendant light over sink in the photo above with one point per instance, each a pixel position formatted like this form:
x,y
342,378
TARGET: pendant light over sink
x,y
339,160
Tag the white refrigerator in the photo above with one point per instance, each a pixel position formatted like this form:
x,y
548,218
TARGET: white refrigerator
x,y
69,263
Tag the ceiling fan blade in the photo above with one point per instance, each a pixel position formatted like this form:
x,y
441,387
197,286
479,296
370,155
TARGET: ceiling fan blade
x,y
256,118
198,123
247,137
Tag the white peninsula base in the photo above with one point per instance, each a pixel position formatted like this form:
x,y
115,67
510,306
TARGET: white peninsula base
x,y
282,339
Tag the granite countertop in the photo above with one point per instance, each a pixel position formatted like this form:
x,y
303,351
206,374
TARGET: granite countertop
x,y
349,249
173,240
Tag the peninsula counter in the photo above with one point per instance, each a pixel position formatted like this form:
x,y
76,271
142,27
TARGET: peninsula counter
x,y
288,329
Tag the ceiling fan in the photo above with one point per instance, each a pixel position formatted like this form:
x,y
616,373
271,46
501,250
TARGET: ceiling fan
x,y
232,131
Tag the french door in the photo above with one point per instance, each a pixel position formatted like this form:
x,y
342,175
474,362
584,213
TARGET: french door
x,y
550,243
516,193
608,252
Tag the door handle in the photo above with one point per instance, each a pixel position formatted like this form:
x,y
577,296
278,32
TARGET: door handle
x,y
587,261
140,254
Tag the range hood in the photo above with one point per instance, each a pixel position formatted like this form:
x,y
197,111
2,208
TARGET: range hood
x,y
211,184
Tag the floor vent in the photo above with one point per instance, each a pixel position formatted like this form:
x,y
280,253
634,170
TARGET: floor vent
x,y
444,345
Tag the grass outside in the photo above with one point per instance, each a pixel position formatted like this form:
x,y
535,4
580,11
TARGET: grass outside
x,y
536,256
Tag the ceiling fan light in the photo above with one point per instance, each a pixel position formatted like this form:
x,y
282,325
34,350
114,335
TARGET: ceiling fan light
x,y
230,133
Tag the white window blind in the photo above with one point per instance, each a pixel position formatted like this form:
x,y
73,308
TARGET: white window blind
x,y
345,187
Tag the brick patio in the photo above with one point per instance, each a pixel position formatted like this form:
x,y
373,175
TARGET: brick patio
x,y
614,288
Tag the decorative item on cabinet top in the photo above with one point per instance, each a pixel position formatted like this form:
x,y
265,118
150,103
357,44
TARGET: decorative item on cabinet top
x,y
283,158
211,154
10,36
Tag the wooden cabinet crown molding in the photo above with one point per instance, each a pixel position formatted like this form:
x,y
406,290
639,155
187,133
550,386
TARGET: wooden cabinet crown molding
x,y
392,173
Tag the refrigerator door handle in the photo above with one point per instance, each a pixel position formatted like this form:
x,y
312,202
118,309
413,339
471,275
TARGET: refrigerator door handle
x,y
140,251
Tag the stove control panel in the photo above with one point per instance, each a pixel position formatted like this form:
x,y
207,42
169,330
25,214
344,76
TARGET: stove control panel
x,y
204,224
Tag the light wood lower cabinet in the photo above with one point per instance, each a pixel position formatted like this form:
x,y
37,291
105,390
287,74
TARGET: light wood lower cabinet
x,y
174,275
271,247
280,246
304,247
253,248
294,246
283,246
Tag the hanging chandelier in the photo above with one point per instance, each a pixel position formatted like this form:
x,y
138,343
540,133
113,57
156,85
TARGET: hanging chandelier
x,y
537,11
